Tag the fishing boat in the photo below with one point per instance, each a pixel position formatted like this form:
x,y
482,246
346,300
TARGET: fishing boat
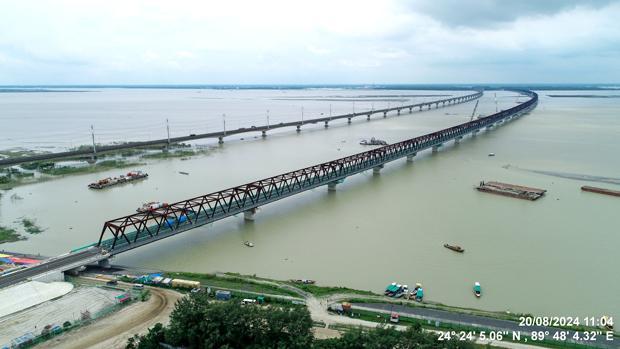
x,y
248,244
183,173
477,289
151,206
402,291
491,154
419,294
454,248
390,288
124,178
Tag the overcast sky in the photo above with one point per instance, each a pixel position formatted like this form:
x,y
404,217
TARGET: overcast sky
x,y
308,41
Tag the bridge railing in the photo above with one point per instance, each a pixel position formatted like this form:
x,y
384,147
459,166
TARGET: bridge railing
x,y
133,230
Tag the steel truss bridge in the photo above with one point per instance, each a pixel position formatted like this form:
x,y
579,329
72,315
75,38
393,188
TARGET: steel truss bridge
x,y
139,229
220,135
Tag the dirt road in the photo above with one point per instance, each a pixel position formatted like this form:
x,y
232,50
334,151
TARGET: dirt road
x,y
114,330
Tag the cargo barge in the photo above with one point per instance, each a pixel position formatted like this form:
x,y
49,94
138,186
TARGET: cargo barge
x,y
511,190
600,190
112,181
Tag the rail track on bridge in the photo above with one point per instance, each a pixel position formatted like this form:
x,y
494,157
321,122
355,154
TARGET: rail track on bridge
x,y
221,134
138,229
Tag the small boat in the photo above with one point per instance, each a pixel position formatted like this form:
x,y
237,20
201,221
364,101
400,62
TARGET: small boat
x,y
373,141
419,294
248,244
477,289
184,173
151,206
454,248
491,154
391,288
304,281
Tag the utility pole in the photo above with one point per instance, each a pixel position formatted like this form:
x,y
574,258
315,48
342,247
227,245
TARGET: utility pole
x,y
224,122
92,133
168,131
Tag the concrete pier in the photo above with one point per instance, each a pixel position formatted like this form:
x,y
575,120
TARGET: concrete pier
x,y
264,134
298,128
436,147
411,156
331,186
220,140
385,114
377,170
326,124
348,120
457,140
250,214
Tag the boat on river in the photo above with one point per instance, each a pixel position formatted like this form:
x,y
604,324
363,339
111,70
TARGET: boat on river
x,y
112,181
248,244
373,141
477,289
454,248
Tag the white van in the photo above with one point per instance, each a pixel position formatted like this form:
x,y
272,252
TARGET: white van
x,y
138,286
248,301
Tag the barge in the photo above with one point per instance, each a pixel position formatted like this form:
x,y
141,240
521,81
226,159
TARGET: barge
x,y
511,190
112,181
600,190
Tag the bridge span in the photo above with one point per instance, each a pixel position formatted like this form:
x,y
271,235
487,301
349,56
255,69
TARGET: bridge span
x,y
138,229
220,135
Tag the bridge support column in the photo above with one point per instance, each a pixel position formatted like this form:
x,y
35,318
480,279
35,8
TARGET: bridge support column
x,y
457,140
298,128
368,117
377,170
264,134
249,214
398,112
474,132
420,108
348,120
411,156
220,140
331,186
385,114
326,124
410,110
436,147
104,263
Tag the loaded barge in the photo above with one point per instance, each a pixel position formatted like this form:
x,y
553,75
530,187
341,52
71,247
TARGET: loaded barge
x,y
111,181
600,190
515,191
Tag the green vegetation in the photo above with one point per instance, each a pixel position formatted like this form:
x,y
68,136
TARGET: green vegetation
x,y
9,235
327,290
197,322
232,282
100,166
31,227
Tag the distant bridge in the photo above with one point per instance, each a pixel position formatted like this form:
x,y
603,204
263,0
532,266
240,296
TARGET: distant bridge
x,y
139,229
220,135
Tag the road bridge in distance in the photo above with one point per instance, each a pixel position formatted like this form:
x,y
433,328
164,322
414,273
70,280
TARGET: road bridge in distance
x,y
220,135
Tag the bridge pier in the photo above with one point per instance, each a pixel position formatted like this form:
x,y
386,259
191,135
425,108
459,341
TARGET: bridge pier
x,y
474,132
436,147
410,110
384,114
220,140
326,124
264,134
298,128
377,170
104,263
250,214
331,186
348,120
420,107
411,156
398,112
457,140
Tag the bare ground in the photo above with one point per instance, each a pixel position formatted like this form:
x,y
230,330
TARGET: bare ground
x,y
114,330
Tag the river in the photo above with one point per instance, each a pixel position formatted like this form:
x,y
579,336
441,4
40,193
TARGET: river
x,y
555,256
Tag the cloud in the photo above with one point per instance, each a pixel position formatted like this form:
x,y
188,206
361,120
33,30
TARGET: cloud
x,y
320,41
